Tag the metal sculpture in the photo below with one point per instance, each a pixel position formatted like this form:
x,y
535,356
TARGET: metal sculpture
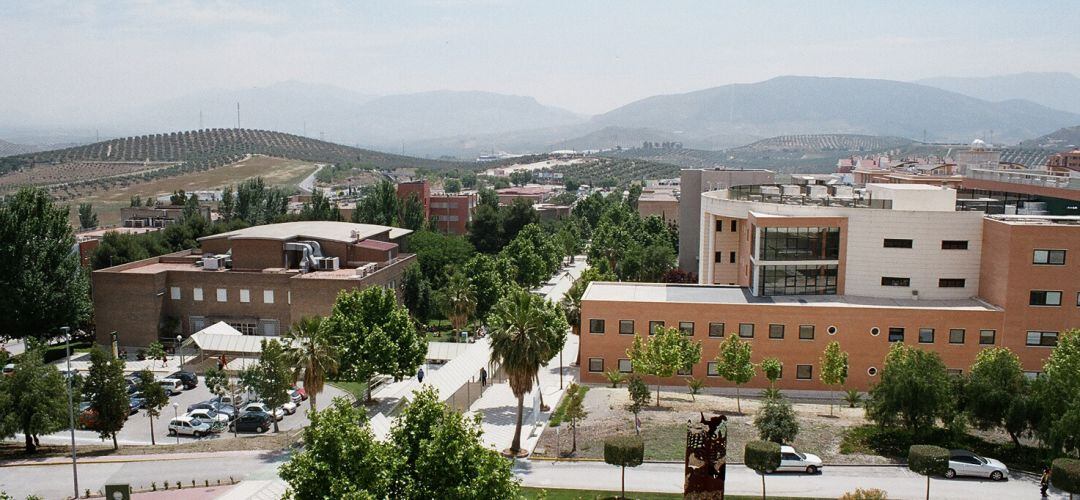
x,y
706,458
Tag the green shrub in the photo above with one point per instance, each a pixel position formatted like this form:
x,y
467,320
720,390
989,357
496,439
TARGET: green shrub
x,y
776,422
762,456
770,393
853,398
865,494
695,385
624,451
614,377
1065,475
928,460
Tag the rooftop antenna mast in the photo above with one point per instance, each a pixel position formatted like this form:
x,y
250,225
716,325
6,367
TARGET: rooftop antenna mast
x,y
200,119
237,115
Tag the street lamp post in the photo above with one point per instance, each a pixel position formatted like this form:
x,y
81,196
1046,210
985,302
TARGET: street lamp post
x,y
176,414
71,410
180,339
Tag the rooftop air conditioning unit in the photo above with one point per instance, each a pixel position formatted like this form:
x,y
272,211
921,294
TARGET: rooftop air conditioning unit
x,y
327,263
213,263
365,269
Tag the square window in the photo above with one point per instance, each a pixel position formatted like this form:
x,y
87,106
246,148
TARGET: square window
x,y
196,294
804,372
1049,257
716,329
596,326
806,332
1045,298
926,335
268,296
954,244
746,330
222,295
896,334
987,337
625,366
712,369
655,326
956,336
596,365
686,327
776,331
626,327
245,295
174,293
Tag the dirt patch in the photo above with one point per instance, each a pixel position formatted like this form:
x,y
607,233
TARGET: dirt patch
x,y
664,428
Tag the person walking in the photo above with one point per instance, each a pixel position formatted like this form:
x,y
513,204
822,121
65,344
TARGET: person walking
x,y
420,375
1044,483
483,377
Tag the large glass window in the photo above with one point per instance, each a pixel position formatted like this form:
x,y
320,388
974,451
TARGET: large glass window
x,y
1049,257
626,327
797,280
596,326
716,329
800,243
1045,339
1045,298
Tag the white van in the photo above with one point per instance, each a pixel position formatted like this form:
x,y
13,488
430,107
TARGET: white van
x,y
172,386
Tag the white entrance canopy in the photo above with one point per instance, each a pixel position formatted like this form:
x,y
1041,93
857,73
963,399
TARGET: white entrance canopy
x,y
220,337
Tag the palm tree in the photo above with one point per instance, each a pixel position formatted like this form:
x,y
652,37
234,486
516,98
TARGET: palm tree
x,y
458,300
519,342
571,306
311,354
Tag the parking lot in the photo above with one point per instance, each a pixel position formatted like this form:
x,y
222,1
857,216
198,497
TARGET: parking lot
x,y
137,428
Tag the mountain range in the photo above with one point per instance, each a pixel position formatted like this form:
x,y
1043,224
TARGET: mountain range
x,y
464,124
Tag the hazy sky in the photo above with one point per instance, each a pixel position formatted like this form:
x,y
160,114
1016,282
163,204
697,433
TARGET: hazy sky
x,y
586,56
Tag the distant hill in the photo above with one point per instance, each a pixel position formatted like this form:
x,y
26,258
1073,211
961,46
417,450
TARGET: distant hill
x,y
1054,90
825,142
798,105
12,149
212,147
1061,139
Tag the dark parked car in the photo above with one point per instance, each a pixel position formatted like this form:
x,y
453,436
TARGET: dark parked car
x,y
189,379
136,401
252,421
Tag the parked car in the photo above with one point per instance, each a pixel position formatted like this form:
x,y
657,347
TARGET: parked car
x,y
172,386
298,392
252,421
135,402
791,460
289,407
966,463
228,399
278,413
189,379
188,426
209,416
9,368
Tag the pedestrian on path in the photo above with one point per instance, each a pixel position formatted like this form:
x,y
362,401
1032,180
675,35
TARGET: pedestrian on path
x,y
1044,483
420,375
483,377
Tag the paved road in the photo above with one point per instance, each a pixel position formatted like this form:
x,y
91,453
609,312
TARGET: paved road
x,y
308,184
832,483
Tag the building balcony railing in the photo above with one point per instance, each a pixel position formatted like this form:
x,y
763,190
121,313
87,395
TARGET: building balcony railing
x,y
1027,178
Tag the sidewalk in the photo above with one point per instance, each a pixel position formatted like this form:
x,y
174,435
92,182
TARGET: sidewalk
x,y
152,457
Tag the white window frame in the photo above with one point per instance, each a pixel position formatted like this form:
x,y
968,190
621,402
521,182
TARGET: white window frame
x,y
268,296
245,295
197,294
222,294
174,292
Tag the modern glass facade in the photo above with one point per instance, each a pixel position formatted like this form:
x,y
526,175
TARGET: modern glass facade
x,y
797,280
799,243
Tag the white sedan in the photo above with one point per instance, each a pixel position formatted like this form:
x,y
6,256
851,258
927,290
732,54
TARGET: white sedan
x,y
791,460
966,463
278,413
207,415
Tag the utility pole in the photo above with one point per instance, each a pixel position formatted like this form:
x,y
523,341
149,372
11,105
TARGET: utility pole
x,y
237,115
71,409
200,119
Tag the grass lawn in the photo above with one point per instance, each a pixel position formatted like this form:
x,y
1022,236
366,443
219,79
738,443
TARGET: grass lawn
x,y
357,389
561,494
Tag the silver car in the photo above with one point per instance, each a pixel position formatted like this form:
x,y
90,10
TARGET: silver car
x,y
966,463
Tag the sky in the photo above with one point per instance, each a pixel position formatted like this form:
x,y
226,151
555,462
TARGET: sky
x,y
85,57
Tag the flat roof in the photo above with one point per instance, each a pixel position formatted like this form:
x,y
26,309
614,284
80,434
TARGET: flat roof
x,y
316,230
726,294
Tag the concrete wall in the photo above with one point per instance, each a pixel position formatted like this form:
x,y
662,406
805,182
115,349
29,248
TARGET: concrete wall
x,y
692,183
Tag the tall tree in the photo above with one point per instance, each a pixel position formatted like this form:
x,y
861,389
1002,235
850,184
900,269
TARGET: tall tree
x,y
458,300
485,229
438,253
42,286
87,218
520,339
274,376
834,367
227,204
733,363
379,205
518,214
533,254
914,390
520,177
452,185
106,390
412,213
489,280
191,207
154,398
319,208
33,399
776,421
995,387
663,355
416,293
1057,394
311,354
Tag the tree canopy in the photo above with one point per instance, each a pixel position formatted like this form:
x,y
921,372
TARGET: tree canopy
x,y
733,363
914,390
663,354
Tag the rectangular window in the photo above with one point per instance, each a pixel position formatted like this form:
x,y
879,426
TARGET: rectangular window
x,y
951,283
896,334
626,327
718,257
686,327
804,372
1042,339
596,365
806,332
222,295
893,281
1049,257
734,227
197,323
245,328
926,335
719,225
956,335
987,337
797,280
955,372
746,330
799,243
1045,298
731,257
268,296
655,326
716,329
897,243
685,372
625,366
954,244
196,294
245,295
712,369
596,326
174,293
268,327
776,331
